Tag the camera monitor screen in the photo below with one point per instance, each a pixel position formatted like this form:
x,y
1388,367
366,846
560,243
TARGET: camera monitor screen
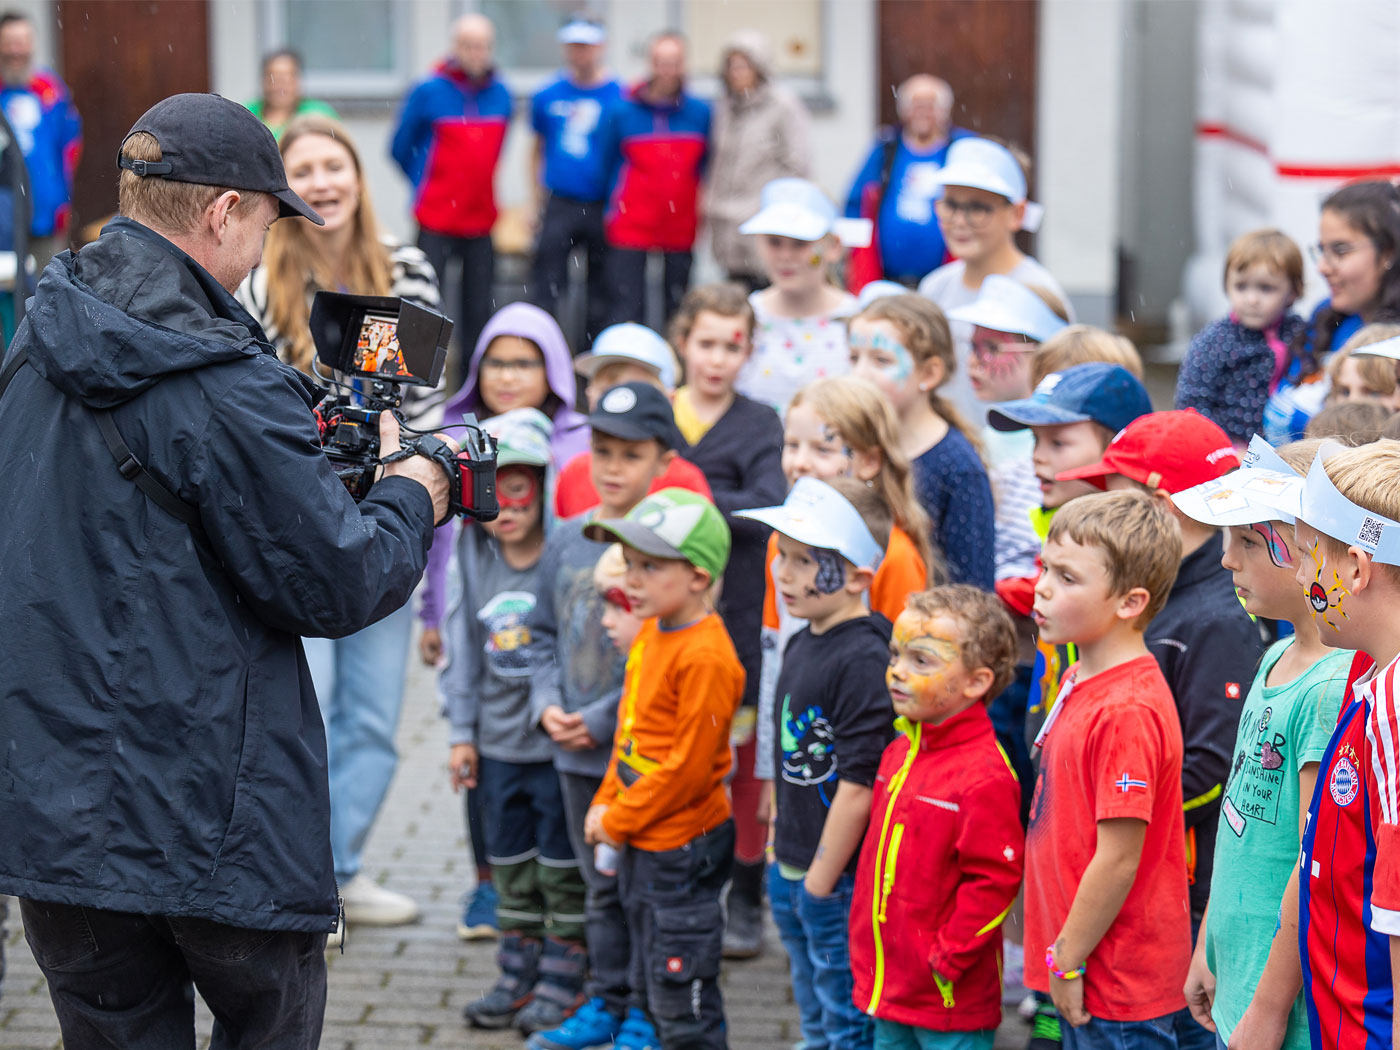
x,y
377,349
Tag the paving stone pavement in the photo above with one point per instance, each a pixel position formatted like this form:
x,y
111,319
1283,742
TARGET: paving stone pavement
x,y
393,989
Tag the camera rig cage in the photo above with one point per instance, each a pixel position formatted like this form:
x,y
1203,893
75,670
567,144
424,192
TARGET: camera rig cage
x,y
372,347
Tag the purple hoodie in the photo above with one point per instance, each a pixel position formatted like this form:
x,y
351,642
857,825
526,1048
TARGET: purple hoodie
x,y
570,427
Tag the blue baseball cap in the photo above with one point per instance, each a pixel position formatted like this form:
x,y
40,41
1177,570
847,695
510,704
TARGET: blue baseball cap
x,y
1096,392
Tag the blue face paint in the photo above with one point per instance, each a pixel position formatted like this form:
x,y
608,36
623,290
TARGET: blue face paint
x,y
831,571
901,368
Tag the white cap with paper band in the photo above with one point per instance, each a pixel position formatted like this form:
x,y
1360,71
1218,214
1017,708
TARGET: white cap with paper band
x,y
817,515
1256,492
1004,304
798,208
1385,348
1327,510
986,165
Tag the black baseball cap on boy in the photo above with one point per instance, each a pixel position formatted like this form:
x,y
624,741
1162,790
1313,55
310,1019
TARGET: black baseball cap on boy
x,y
636,411
209,140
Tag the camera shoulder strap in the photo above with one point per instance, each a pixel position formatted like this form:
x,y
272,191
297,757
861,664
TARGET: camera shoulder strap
x,y
127,464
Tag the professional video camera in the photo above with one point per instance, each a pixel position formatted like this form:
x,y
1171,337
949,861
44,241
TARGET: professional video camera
x,y
375,346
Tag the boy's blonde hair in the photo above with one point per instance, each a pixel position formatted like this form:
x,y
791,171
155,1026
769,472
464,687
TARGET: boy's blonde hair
x,y
987,637
610,570
1369,476
1350,422
1300,454
864,419
1378,373
1274,248
725,298
605,378
872,509
1080,344
1139,538
923,329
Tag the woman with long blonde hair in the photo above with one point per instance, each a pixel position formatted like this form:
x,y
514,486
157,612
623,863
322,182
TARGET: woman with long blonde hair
x,y
359,680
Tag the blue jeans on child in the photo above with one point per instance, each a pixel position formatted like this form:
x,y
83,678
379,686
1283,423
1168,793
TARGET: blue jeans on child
x,y
1157,1034
816,933
359,684
891,1035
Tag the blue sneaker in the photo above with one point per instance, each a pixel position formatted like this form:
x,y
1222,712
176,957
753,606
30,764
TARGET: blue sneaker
x,y
591,1027
479,916
637,1033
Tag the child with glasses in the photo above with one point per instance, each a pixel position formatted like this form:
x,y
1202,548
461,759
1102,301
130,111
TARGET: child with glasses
x,y
981,208
1235,364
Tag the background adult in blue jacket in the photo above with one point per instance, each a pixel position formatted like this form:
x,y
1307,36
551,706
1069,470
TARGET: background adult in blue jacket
x,y
448,142
572,172
163,802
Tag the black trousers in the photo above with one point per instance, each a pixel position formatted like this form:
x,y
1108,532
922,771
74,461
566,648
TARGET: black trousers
x,y
673,911
605,925
125,980
567,225
466,272
631,298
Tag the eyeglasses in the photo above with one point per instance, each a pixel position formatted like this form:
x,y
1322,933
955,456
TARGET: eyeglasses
x,y
499,364
985,350
975,213
618,597
1335,252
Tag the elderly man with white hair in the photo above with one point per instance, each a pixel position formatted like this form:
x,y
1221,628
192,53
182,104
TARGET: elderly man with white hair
x,y
897,184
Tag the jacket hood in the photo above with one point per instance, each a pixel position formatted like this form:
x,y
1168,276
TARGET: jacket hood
x,y
449,69
754,46
94,332
529,322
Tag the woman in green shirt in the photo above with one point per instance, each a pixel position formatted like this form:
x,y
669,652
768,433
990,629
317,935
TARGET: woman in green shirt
x,y
281,98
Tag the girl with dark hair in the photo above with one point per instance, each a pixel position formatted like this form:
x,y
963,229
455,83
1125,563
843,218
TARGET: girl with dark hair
x,y
1356,254
281,97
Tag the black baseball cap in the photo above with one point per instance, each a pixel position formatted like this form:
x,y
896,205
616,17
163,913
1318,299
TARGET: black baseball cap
x,y
636,412
212,141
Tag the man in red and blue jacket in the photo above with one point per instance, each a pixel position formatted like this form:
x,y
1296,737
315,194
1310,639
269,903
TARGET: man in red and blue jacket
x,y
448,142
656,140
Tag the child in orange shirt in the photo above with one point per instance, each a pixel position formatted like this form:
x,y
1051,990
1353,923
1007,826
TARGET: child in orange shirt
x,y
662,802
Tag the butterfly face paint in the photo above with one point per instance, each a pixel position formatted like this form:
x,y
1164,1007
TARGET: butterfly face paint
x,y
1278,550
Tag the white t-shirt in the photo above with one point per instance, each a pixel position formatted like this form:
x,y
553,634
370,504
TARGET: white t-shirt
x,y
946,288
790,352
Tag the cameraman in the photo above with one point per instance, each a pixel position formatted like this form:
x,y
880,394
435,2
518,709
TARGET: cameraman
x,y
163,799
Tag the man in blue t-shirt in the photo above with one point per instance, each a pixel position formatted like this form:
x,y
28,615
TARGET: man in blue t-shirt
x,y
897,184
571,171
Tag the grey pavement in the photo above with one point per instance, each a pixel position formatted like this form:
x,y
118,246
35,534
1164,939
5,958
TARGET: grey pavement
x,y
405,987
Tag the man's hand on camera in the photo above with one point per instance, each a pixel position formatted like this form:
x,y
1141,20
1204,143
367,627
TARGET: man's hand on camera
x,y
419,468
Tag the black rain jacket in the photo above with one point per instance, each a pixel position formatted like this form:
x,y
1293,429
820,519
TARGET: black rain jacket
x,y
161,750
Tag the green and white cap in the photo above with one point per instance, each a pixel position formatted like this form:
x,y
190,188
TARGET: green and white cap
x,y
672,523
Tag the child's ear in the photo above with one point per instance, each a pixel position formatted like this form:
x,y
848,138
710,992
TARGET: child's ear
x,y
930,374
664,461
859,579
1132,604
1357,570
866,464
700,581
979,684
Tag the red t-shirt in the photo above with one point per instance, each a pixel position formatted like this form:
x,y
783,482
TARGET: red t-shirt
x,y
574,492
1114,750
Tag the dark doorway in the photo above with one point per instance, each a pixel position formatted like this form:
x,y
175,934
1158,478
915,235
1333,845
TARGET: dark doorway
x,y
120,57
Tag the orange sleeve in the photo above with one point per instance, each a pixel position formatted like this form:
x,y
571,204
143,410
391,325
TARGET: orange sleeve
x,y
901,574
770,592
710,684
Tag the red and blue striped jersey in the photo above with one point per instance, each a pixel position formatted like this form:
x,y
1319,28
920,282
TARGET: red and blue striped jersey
x,y
1349,882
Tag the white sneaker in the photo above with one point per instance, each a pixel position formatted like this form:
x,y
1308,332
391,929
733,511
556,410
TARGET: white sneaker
x,y
371,904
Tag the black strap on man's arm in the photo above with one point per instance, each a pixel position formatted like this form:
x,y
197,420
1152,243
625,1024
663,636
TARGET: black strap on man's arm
x,y
127,464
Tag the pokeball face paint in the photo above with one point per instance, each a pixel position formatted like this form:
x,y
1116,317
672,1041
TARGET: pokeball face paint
x,y
1326,602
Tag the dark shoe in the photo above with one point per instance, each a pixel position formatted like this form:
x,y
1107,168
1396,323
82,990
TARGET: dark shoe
x,y
519,960
743,926
559,990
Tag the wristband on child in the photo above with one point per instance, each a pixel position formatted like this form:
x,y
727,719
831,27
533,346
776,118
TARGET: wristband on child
x,y
1064,975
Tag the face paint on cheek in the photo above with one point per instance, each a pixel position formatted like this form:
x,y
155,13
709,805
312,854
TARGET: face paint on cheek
x,y
903,366
1274,544
831,571
815,259
1324,601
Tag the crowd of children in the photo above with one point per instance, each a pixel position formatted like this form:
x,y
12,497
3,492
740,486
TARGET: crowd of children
x,y
1039,702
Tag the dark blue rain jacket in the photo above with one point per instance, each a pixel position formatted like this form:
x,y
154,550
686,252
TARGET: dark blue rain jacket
x,y
161,750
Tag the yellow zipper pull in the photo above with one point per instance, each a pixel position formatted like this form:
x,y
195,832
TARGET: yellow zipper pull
x,y
891,859
945,989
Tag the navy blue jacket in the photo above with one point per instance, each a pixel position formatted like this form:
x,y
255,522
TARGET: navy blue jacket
x,y
162,748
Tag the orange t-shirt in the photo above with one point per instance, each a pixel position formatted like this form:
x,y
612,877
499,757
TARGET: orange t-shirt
x,y
901,573
574,492
665,781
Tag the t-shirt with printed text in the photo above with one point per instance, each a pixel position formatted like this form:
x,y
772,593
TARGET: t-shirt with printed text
x,y
1113,751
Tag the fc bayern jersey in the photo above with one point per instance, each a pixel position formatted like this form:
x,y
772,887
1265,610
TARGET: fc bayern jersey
x,y
1349,881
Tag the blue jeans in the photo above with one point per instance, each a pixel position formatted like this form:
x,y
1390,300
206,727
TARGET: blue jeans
x,y
359,684
1156,1034
891,1035
816,933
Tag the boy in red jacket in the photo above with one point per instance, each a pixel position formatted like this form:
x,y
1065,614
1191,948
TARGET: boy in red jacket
x,y
925,928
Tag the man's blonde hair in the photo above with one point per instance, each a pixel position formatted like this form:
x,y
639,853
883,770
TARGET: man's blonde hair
x,y
1140,540
164,204
1369,476
1080,344
987,637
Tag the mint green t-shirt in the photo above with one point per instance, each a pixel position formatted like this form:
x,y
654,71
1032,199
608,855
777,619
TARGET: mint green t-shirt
x,y
1282,729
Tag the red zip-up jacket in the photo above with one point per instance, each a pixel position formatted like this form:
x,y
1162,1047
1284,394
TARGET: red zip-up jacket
x,y
938,872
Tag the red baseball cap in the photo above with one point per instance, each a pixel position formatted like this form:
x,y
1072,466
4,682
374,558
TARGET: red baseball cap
x,y
1164,450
